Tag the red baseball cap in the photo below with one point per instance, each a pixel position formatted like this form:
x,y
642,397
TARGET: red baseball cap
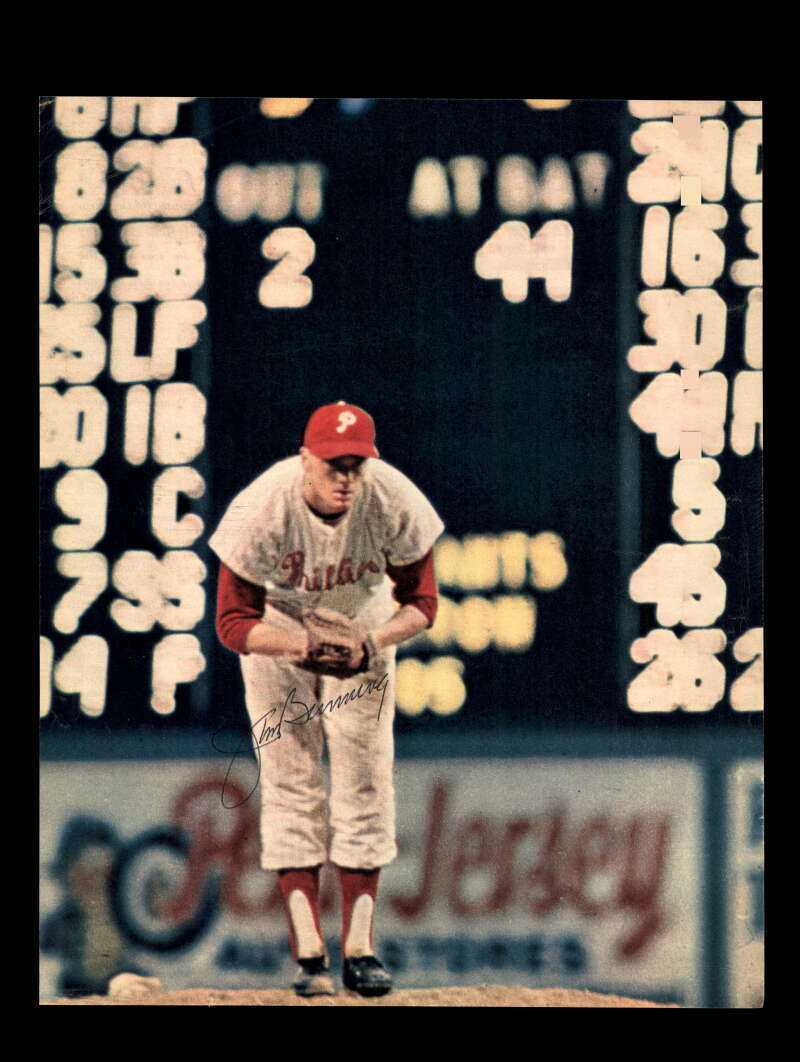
x,y
339,429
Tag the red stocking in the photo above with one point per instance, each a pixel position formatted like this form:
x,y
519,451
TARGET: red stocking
x,y
359,889
300,892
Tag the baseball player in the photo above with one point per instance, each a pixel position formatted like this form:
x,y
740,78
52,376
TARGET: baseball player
x,y
326,566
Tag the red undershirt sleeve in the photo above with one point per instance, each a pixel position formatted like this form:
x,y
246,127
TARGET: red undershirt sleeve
x,y
415,584
240,606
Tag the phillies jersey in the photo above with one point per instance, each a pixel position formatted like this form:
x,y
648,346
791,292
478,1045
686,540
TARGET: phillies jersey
x,y
270,537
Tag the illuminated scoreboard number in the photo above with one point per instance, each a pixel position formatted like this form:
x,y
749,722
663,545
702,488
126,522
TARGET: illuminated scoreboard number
x,y
162,182
286,285
686,161
273,191
83,670
166,591
512,256
437,685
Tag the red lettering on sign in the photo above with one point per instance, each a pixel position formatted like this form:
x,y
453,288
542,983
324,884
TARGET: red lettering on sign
x,y
545,891
220,841
515,831
642,878
474,850
591,855
225,841
598,867
412,906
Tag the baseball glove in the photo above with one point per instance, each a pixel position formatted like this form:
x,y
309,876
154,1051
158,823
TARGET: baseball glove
x,y
337,645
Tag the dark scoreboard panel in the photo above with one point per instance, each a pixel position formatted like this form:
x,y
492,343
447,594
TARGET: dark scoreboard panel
x,y
469,271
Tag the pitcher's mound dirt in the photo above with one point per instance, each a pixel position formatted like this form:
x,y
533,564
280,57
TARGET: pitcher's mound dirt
x,y
480,996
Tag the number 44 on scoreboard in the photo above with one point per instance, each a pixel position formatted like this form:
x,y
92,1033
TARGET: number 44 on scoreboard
x,y
512,256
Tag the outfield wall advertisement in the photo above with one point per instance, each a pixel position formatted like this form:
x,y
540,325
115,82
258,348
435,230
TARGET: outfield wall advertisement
x,y
536,871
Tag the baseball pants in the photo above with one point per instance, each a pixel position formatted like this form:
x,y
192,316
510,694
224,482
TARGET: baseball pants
x,y
301,824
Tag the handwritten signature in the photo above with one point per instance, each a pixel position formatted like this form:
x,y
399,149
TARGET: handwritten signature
x,y
267,728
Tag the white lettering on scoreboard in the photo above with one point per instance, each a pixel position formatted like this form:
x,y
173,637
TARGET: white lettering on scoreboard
x,y
164,251
457,186
696,412
513,254
272,193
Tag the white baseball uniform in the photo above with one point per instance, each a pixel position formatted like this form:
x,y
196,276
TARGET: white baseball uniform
x,y
271,538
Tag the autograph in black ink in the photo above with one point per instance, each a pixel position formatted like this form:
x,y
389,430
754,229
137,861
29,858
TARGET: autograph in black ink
x,y
268,728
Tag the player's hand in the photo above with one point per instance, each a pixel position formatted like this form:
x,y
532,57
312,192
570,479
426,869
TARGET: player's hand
x,y
337,646
299,650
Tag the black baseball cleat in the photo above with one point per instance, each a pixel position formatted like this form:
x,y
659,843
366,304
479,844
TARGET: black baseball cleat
x,y
366,975
313,978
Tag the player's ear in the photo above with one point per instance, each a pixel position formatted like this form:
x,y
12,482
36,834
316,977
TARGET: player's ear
x,y
307,459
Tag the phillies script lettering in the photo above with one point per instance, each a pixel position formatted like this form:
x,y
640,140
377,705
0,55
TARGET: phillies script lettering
x,y
293,712
538,864
340,574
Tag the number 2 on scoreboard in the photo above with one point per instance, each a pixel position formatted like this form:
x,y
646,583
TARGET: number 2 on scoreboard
x,y
285,285
512,256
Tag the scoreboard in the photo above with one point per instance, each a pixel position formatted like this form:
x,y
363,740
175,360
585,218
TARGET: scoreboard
x,y
552,309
